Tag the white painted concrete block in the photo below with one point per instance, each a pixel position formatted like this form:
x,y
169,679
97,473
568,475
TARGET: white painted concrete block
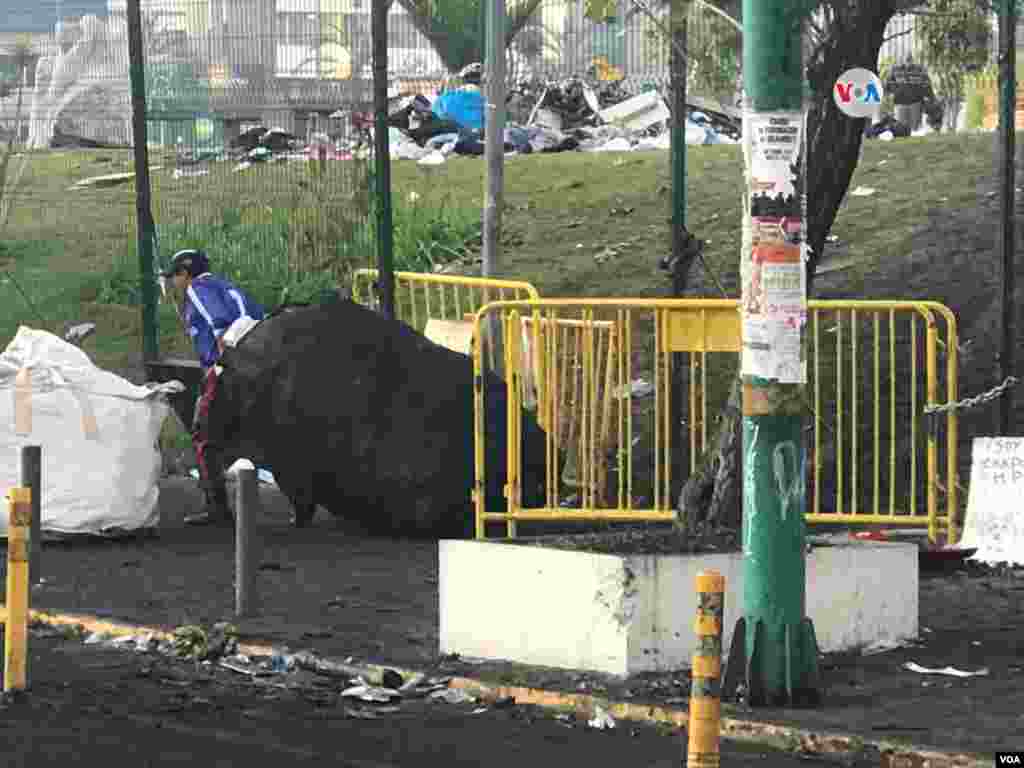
x,y
628,614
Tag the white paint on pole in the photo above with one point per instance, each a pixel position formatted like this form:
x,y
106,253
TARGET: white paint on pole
x,y
995,517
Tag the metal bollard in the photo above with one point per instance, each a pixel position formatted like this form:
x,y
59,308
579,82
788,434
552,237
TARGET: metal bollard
x,y
247,502
705,703
16,630
31,478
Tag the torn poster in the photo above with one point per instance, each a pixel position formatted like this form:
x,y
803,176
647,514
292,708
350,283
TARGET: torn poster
x,y
775,173
775,305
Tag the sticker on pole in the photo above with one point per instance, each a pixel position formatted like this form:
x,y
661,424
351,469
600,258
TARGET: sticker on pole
x,y
858,93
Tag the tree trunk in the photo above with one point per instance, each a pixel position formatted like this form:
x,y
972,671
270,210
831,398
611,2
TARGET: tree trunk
x,y
853,37
711,495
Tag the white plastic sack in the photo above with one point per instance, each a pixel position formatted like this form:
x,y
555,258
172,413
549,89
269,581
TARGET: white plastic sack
x,y
98,432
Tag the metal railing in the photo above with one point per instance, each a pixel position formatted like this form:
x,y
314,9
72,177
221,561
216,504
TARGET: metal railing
x,y
628,465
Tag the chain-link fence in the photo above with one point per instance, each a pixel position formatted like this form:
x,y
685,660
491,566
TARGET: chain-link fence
x,y
252,155
219,73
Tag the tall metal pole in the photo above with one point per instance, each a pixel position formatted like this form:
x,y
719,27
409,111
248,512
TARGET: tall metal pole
x,y
494,156
677,71
143,213
494,132
677,215
382,158
1007,114
774,641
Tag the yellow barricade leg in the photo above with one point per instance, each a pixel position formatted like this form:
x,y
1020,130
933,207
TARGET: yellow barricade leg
x,y
705,704
16,630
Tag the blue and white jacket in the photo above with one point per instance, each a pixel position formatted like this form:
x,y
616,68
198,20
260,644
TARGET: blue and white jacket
x,y
212,304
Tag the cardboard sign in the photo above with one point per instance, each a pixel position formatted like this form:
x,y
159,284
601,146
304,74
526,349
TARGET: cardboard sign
x,y
995,515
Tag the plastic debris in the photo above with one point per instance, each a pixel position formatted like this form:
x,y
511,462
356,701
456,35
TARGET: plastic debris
x,y
863,192
434,158
601,720
281,663
452,696
195,642
638,388
371,693
948,671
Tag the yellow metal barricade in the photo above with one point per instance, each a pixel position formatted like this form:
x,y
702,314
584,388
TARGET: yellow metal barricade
x,y
422,296
862,421
446,302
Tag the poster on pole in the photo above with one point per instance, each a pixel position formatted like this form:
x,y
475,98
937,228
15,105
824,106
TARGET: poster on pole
x,y
775,300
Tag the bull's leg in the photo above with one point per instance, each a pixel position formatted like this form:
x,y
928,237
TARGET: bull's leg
x,y
299,491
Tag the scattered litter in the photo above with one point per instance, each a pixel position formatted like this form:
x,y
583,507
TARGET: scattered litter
x,y
180,173
371,693
109,180
237,667
479,711
360,714
281,663
195,642
434,158
948,671
637,113
452,696
638,388
95,638
863,192
615,145
601,720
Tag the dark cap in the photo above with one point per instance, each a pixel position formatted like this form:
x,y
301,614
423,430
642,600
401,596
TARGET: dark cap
x,y
190,261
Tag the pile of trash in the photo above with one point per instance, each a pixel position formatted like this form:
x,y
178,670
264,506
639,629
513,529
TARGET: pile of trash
x,y
260,144
555,116
573,114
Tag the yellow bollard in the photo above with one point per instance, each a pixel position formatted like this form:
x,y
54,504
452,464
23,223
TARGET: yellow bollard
x,y
16,630
705,704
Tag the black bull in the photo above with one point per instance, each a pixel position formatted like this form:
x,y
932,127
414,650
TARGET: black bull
x,y
368,418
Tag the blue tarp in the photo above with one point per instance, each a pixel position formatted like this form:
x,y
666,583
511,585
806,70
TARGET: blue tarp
x,y
465,107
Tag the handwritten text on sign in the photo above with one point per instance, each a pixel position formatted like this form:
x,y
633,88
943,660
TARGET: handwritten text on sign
x,y
994,524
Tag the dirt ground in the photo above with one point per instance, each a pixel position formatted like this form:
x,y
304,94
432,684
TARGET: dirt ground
x,y
332,590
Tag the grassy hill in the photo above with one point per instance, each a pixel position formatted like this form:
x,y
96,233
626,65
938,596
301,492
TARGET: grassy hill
x,y
576,225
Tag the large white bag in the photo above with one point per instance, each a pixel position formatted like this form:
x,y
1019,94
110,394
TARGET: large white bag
x,y
98,432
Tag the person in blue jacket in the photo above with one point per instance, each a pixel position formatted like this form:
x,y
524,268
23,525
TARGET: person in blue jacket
x,y
209,306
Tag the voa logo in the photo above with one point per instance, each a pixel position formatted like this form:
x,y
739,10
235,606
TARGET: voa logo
x,y
858,93
1009,758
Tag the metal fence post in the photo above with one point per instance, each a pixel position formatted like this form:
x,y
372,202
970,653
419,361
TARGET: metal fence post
x,y
247,502
31,478
143,212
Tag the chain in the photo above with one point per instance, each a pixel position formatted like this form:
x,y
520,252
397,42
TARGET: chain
x,y
971,402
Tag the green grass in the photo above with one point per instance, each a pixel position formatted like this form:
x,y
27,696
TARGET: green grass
x,y
72,252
